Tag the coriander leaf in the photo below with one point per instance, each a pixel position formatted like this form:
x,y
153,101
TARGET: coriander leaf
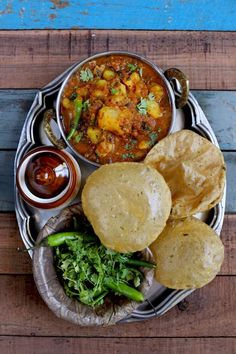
x,y
86,105
145,126
73,96
127,155
78,137
140,70
131,144
142,106
86,75
153,138
114,91
132,67
151,96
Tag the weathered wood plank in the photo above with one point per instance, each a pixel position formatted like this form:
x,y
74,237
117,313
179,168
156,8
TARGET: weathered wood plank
x,y
14,262
40,345
168,15
6,180
7,190
219,107
209,311
11,260
30,59
14,106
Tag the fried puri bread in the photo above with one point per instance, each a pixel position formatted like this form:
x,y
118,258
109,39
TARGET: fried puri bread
x,y
188,254
194,170
127,204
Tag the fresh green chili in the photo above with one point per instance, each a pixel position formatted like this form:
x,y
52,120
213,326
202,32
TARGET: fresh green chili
x,y
139,263
78,109
125,290
61,237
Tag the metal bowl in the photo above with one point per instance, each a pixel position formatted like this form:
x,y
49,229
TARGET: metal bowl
x,y
166,77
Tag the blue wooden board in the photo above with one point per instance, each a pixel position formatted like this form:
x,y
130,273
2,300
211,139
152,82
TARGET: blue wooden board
x,y
119,14
7,188
219,107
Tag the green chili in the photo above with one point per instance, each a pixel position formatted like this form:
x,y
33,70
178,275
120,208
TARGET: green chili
x,y
61,237
78,109
124,289
140,263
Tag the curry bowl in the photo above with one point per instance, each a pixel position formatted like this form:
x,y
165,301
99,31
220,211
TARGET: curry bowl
x,y
114,107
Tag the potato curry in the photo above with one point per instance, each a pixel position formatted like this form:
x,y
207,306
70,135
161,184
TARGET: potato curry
x,y
115,108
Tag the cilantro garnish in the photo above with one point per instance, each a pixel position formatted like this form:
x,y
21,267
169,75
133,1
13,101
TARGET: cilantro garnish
x,y
86,105
132,67
114,91
89,271
73,96
151,96
142,106
86,75
127,155
153,138
131,144
78,137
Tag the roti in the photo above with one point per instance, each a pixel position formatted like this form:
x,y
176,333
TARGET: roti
x,y
127,204
194,170
188,254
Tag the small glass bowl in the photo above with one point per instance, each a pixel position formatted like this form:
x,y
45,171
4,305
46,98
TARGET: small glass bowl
x,y
48,178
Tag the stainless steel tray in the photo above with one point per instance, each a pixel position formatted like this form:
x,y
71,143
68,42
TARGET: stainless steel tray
x,y
31,220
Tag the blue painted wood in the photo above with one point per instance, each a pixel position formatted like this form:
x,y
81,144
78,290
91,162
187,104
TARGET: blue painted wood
x,y
119,14
14,106
7,190
6,180
219,107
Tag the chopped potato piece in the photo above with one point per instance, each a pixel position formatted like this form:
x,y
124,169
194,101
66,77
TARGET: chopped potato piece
x,y
132,80
108,74
119,100
66,103
104,148
144,144
115,120
135,77
108,119
153,109
158,91
119,97
98,93
101,83
82,91
122,89
94,134
129,83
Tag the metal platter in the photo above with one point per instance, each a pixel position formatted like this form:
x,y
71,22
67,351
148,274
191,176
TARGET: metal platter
x,y
30,220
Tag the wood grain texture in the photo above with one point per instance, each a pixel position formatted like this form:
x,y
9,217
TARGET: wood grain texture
x,y
206,312
30,59
44,345
7,188
14,106
14,262
219,107
175,14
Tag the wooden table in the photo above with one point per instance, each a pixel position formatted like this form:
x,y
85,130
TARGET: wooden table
x,y
29,59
